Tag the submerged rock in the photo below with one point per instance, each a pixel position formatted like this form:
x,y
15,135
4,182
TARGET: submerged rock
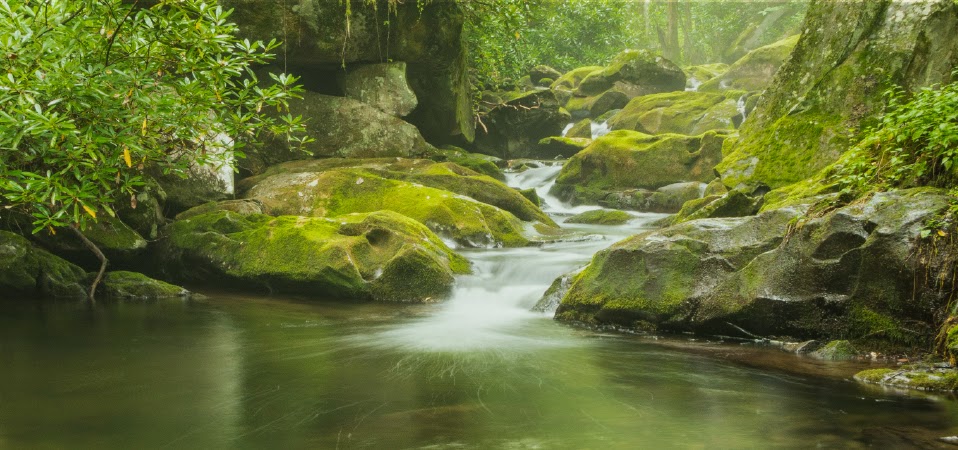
x,y
849,274
29,271
689,113
380,256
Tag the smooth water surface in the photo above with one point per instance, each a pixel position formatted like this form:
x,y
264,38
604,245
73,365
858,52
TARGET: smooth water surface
x,y
478,371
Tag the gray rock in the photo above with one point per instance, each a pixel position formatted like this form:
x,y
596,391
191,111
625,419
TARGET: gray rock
x,y
514,127
382,86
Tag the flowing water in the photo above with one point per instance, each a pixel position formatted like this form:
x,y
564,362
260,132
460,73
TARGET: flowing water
x,y
478,371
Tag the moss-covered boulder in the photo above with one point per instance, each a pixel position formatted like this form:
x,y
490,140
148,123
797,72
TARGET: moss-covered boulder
x,y
635,73
540,72
755,70
426,36
628,159
477,162
144,212
921,377
122,285
341,127
455,202
200,182
850,274
571,79
381,256
29,271
601,217
560,147
581,129
690,113
122,245
849,54
382,86
696,75
734,203
513,127
596,105
243,207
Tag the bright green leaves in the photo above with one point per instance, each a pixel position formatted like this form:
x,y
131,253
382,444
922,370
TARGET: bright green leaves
x,y
94,93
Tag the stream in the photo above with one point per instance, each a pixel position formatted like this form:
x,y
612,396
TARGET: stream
x,y
478,371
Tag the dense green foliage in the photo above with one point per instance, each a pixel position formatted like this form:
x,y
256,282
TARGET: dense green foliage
x,y
508,37
96,92
915,143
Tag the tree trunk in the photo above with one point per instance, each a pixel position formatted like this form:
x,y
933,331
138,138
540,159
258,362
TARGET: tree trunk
x,y
669,39
99,254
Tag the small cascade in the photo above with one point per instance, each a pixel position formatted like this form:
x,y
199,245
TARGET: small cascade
x,y
568,127
693,85
600,129
740,105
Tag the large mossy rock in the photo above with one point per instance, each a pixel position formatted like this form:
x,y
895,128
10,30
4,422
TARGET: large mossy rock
x,y
849,54
755,70
477,162
635,73
472,209
514,127
596,105
122,245
689,113
427,36
541,72
626,159
380,256
570,80
342,127
121,285
382,86
850,274
29,271
696,75
555,147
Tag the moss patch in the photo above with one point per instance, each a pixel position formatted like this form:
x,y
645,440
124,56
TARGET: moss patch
x,y
601,217
136,286
690,113
381,256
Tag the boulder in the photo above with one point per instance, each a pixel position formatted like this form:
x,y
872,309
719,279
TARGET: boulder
x,y
581,129
243,207
626,159
560,147
541,71
121,245
457,203
320,37
601,217
477,162
201,182
341,127
635,73
696,75
144,211
29,271
514,127
596,105
755,70
667,199
734,203
849,54
382,86
689,113
122,285
571,79
380,256
849,274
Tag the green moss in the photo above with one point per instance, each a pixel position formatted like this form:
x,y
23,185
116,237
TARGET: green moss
x,y
601,217
689,113
483,164
136,286
873,375
361,256
629,159
784,153
755,70
596,105
571,79
645,71
560,147
30,271
705,72
836,350
582,129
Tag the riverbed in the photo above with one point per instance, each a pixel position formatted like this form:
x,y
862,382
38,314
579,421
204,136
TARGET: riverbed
x,y
480,370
